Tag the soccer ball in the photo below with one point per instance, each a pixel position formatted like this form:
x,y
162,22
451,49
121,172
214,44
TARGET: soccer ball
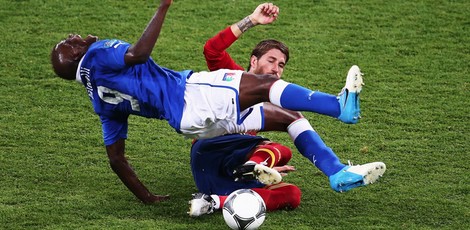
x,y
244,209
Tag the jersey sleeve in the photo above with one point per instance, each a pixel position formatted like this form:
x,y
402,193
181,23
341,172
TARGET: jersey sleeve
x,y
111,55
215,51
113,129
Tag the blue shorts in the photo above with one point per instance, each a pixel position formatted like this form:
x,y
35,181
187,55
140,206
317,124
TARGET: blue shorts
x,y
213,161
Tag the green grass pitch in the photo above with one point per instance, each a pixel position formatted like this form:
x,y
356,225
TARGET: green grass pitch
x,y
54,172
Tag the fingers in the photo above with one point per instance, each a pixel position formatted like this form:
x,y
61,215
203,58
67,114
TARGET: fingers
x,y
270,9
265,13
158,198
284,168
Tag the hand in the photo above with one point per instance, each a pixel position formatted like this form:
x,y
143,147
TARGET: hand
x,y
264,14
283,170
156,198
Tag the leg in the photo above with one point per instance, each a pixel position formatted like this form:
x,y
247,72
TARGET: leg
x,y
307,141
310,145
263,88
260,163
280,196
284,117
276,197
271,154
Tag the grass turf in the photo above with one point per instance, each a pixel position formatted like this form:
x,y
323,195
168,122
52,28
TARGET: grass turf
x,y
54,172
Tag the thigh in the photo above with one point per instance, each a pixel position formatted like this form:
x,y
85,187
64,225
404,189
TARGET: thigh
x,y
213,161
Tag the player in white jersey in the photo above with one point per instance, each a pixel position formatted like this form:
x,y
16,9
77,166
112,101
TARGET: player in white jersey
x,y
121,79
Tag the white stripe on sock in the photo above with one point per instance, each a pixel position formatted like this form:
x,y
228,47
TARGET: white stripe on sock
x,y
276,91
297,127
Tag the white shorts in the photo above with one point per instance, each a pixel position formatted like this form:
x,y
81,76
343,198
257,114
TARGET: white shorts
x,y
212,107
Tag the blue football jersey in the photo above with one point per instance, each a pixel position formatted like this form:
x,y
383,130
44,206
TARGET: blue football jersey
x,y
117,90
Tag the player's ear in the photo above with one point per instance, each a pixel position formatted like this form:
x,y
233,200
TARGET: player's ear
x,y
253,62
76,55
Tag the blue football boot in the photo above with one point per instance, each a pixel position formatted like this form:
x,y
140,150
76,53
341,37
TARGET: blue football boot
x,y
353,176
349,96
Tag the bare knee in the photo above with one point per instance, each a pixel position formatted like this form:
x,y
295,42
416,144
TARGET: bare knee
x,y
277,118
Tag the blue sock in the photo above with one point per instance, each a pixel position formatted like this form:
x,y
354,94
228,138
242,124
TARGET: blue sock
x,y
311,146
295,97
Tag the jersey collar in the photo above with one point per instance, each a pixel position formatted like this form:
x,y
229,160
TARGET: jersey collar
x,y
77,75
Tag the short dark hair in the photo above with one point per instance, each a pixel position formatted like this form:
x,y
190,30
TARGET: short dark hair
x,y
266,45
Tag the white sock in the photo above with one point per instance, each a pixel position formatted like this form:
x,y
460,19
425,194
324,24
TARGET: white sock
x,y
217,201
276,90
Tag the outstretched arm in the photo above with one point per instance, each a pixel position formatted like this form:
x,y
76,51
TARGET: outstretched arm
x,y
215,48
121,167
140,51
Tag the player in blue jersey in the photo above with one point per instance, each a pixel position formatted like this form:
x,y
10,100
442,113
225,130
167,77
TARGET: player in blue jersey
x,y
122,80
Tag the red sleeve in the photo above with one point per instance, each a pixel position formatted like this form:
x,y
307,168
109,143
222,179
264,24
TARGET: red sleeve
x,y
216,54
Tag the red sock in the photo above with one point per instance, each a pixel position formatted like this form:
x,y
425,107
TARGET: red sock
x,y
286,153
280,196
222,201
271,154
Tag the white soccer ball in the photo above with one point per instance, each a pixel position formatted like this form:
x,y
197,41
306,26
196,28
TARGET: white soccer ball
x,y
244,209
